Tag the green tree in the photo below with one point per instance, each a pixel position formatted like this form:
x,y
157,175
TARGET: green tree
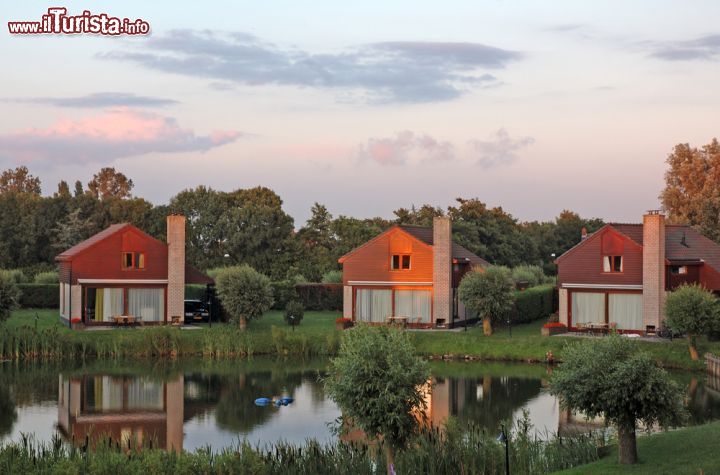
x,y
9,296
691,194
245,293
610,378
317,242
419,217
110,183
490,293
63,191
692,310
71,230
294,312
19,180
332,277
379,384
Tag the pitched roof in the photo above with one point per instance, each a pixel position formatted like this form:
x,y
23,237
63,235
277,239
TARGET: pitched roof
x,y
425,234
194,276
682,243
91,241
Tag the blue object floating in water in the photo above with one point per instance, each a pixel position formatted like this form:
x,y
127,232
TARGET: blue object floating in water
x,y
278,403
286,401
263,401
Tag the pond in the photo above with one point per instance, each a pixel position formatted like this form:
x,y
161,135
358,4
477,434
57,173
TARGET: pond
x,y
194,403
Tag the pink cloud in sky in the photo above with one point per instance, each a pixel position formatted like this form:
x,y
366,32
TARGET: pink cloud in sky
x,y
405,146
116,133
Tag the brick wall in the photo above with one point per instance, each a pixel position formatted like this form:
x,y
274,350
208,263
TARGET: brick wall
x,y
176,266
442,269
653,268
347,301
563,306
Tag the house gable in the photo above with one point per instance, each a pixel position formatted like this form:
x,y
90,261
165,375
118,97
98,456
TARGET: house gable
x,y
372,260
583,264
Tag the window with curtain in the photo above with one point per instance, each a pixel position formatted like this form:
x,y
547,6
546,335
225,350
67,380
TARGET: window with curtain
x,y
145,394
612,264
147,304
104,304
626,311
588,307
415,304
373,305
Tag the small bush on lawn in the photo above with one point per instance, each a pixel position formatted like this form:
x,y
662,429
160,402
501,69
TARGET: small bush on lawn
x,y
294,313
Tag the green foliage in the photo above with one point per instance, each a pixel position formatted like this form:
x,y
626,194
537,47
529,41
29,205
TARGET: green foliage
x,y
48,277
490,293
294,312
611,378
533,275
692,310
16,276
320,296
533,303
378,382
9,295
244,292
332,277
39,296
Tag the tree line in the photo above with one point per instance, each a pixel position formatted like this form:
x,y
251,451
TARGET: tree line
x,y
249,226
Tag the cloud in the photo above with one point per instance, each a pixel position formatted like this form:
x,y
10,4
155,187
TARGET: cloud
x,y
499,149
405,146
387,72
565,27
101,100
705,48
114,134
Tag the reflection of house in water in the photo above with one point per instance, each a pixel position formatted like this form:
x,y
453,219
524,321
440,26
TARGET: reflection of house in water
x,y
123,408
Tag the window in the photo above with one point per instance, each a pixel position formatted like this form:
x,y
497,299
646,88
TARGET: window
x,y
133,260
400,262
678,270
612,264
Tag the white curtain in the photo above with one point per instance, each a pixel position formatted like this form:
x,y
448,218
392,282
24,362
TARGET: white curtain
x,y
626,310
65,299
112,393
144,394
112,303
148,304
414,304
588,307
373,305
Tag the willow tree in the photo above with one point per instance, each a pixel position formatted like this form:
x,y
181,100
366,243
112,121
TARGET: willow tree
x,y
244,292
692,310
490,293
610,378
379,384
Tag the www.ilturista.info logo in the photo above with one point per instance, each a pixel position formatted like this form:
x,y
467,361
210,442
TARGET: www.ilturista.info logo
x,y
58,22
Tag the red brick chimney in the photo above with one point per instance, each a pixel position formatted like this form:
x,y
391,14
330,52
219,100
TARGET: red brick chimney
x,y
176,266
442,269
653,268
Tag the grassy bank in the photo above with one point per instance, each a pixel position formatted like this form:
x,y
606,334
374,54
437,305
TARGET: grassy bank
x,y
271,335
684,451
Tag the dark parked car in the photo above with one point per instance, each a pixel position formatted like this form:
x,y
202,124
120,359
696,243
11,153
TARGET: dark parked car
x,y
196,311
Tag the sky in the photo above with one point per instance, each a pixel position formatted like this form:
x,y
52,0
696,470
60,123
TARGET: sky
x,y
370,106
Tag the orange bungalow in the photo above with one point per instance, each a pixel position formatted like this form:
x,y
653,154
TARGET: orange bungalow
x,y
408,274
122,275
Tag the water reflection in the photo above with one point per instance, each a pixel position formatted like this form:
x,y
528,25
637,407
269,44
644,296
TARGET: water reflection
x,y
191,404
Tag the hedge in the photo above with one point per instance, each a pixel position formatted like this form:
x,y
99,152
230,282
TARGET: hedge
x,y
534,303
39,295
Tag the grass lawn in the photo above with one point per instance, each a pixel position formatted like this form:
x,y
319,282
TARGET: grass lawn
x,y
692,450
525,344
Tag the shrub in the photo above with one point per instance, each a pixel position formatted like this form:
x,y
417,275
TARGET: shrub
x,y
332,277
533,275
533,304
490,293
245,293
16,276
39,295
294,312
283,292
9,294
320,296
49,277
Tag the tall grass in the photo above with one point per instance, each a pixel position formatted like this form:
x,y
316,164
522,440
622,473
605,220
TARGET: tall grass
x,y
454,450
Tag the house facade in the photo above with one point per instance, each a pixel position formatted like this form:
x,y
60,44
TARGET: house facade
x,y
122,271
620,274
410,272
